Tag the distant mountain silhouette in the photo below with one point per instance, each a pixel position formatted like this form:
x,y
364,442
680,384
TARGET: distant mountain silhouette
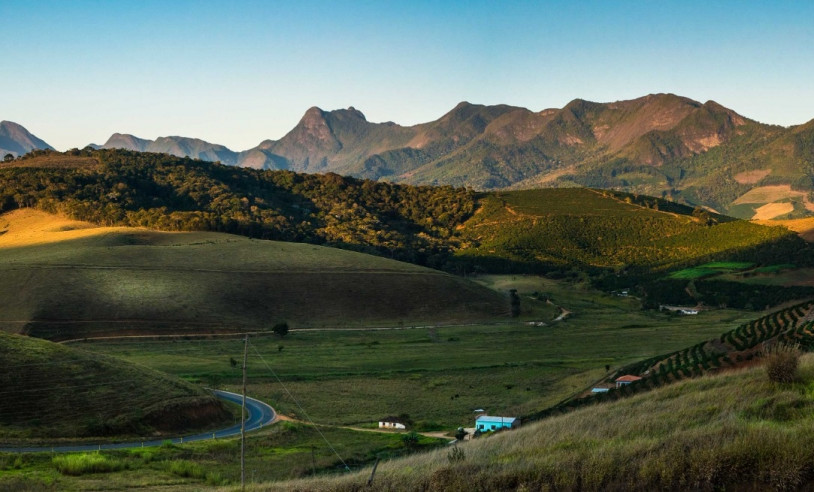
x,y
16,140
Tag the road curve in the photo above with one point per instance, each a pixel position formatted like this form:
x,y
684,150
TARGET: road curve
x,y
259,415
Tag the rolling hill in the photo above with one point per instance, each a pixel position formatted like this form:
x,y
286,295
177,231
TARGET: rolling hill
x,y
598,229
594,231
53,391
64,279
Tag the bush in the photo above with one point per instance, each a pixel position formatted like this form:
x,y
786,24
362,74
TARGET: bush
x,y
80,464
410,439
782,362
455,455
187,469
280,329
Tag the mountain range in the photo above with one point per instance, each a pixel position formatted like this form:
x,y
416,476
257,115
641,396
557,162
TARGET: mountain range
x,y
661,144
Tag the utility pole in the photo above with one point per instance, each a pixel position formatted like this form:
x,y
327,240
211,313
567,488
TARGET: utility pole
x,y
313,462
243,418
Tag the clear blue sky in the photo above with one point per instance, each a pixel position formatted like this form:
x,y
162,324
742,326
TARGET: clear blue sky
x,y
239,72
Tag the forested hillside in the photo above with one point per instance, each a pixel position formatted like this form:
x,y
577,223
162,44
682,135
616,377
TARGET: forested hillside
x,y
442,227
160,191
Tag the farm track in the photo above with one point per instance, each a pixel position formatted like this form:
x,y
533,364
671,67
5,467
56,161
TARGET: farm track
x,y
238,334
28,267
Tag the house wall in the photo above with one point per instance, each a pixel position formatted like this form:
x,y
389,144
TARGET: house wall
x,y
493,425
391,425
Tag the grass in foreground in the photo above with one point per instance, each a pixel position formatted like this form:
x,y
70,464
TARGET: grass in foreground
x,y
735,430
284,451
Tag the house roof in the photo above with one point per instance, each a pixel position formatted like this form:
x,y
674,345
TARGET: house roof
x,y
627,378
492,418
391,419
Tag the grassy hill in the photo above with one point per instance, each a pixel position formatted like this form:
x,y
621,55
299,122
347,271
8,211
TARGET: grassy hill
x,y
598,229
68,279
51,391
734,430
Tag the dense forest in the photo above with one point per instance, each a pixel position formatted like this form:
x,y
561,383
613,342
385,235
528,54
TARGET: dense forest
x,y
159,191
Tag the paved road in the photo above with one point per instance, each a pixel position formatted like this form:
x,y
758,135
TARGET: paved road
x,y
260,414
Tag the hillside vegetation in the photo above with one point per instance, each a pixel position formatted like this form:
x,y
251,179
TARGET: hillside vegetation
x,y
595,229
528,230
67,279
52,391
734,430
790,327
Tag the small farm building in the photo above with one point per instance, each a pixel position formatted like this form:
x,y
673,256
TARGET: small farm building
x,y
486,423
391,423
625,380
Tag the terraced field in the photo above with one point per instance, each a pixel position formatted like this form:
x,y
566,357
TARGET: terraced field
x,y
741,346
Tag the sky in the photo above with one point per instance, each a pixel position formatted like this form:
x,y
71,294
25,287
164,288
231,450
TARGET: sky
x,y
239,72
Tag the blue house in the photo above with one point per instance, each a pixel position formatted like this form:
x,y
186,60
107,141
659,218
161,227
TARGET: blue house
x,y
486,423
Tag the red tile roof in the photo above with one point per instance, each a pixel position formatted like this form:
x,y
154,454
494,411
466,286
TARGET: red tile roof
x,y
627,379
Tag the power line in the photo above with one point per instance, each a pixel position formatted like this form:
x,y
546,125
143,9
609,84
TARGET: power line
x,y
301,409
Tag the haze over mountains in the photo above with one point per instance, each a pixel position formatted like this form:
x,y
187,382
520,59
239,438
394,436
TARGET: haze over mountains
x,y
661,144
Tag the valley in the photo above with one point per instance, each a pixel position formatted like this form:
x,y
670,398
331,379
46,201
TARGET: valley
x,y
421,303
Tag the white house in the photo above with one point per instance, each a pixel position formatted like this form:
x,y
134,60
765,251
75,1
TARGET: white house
x,y
391,423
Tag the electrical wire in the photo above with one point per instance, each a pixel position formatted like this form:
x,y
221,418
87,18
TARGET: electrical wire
x,y
300,407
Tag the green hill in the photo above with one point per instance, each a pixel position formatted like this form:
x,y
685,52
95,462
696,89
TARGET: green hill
x,y
579,228
51,391
440,227
65,279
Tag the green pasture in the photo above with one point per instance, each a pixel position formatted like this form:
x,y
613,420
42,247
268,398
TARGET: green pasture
x,y
712,268
136,282
437,375
780,275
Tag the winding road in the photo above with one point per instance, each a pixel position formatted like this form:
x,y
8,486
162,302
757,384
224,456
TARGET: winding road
x,y
259,415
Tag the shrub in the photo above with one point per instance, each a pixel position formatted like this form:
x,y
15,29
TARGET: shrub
x,y
782,362
410,439
80,464
187,469
456,455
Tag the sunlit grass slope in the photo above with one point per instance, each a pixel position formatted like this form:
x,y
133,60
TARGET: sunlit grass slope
x,y
804,227
62,279
736,430
50,391
587,228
